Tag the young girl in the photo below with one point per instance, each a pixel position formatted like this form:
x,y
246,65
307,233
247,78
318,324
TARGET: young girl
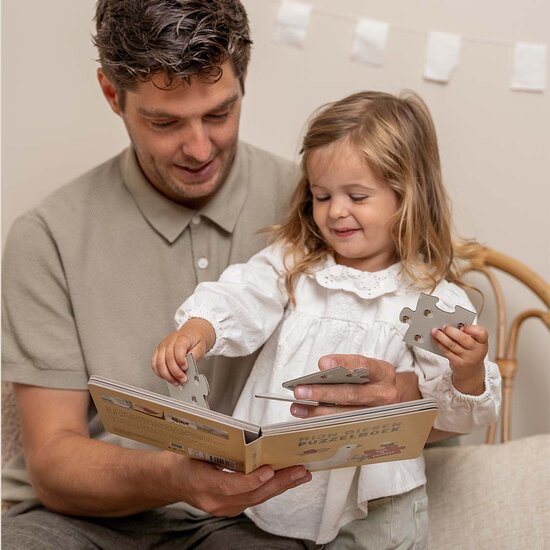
x,y
368,230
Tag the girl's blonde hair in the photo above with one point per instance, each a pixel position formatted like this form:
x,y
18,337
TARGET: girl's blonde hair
x,y
397,139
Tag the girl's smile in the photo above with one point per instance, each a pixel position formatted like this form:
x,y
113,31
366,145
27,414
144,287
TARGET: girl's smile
x,y
345,233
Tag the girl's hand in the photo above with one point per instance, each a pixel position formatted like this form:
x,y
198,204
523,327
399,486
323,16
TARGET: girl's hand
x,y
466,350
196,336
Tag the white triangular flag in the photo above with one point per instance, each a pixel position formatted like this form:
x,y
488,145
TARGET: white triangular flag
x,y
369,42
292,21
442,55
529,67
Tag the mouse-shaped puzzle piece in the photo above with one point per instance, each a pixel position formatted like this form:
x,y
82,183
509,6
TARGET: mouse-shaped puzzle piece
x,y
428,316
335,375
195,390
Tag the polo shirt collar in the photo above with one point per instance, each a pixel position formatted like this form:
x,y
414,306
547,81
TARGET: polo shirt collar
x,y
169,218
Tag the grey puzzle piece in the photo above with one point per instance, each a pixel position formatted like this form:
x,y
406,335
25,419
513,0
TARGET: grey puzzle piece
x,y
335,375
428,316
288,399
195,391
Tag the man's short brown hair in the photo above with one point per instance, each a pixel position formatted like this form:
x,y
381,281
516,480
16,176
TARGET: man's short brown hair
x,y
180,39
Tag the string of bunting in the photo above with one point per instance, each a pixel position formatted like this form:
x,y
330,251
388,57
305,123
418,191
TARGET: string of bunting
x,y
442,48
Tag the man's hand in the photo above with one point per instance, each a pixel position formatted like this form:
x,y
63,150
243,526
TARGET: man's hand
x,y
223,493
384,387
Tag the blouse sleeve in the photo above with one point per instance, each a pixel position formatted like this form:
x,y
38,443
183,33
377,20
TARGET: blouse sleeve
x,y
244,306
458,412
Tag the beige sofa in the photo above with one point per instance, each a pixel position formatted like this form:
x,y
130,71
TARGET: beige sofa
x,y
490,497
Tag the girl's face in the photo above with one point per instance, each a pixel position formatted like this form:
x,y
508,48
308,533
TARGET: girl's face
x,y
352,207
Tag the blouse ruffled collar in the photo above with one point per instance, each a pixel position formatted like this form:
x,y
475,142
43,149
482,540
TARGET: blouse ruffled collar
x,y
365,284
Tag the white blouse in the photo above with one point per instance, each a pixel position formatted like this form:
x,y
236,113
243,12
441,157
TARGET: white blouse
x,y
338,310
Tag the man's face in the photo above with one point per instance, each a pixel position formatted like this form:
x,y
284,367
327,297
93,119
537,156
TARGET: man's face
x,y
185,137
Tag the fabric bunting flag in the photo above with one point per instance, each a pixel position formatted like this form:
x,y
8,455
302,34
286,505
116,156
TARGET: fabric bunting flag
x,y
292,22
442,56
370,41
529,71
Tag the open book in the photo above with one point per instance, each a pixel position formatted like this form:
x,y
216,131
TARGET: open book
x,y
352,438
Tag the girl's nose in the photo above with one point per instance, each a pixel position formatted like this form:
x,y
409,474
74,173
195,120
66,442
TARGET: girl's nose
x,y
338,209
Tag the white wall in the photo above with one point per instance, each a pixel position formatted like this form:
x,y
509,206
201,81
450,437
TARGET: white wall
x,y
495,143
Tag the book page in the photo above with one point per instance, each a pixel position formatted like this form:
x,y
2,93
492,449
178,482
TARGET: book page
x,y
170,428
354,443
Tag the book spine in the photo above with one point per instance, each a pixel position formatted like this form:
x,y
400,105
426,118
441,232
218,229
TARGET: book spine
x,y
253,455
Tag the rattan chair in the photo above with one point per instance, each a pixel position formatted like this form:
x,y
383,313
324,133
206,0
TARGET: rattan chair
x,y
491,264
495,495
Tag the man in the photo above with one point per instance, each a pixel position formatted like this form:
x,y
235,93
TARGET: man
x,y
94,274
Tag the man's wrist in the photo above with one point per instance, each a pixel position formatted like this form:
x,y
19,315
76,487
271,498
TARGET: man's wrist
x,y
407,387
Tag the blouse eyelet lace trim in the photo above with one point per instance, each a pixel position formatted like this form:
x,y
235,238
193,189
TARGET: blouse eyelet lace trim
x,y
365,284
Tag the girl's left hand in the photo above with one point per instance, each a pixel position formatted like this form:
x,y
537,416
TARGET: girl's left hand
x,y
466,350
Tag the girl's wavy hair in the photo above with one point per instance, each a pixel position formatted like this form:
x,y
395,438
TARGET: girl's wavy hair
x,y
397,139
180,39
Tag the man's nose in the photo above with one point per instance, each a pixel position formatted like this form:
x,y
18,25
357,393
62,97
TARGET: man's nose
x,y
196,143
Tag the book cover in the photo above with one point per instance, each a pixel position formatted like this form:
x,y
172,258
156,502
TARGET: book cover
x,y
353,438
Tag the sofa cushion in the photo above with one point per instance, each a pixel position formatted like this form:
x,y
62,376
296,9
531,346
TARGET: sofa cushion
x,y
490,496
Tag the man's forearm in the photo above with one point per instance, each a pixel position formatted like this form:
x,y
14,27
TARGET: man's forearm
x,y
97,478
407,386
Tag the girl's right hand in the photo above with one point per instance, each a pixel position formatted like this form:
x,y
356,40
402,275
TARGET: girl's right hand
x,y
196,336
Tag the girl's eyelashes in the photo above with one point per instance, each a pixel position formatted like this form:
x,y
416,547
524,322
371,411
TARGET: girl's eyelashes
x,y
353,198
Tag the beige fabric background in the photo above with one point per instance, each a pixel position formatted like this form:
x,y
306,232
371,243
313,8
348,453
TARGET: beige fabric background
x,y
495,142
490,496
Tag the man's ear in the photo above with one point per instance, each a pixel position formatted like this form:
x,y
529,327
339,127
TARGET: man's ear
x,y
109,91
242,81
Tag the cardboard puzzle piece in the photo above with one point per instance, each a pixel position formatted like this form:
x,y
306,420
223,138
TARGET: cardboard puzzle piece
x,y
195,391
289,399
428,316
335,375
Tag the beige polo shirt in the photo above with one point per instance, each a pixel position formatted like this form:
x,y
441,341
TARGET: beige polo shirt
x,y
93,276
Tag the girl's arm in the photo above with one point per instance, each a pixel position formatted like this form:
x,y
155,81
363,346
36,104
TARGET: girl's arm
x,y
244,306
465,383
